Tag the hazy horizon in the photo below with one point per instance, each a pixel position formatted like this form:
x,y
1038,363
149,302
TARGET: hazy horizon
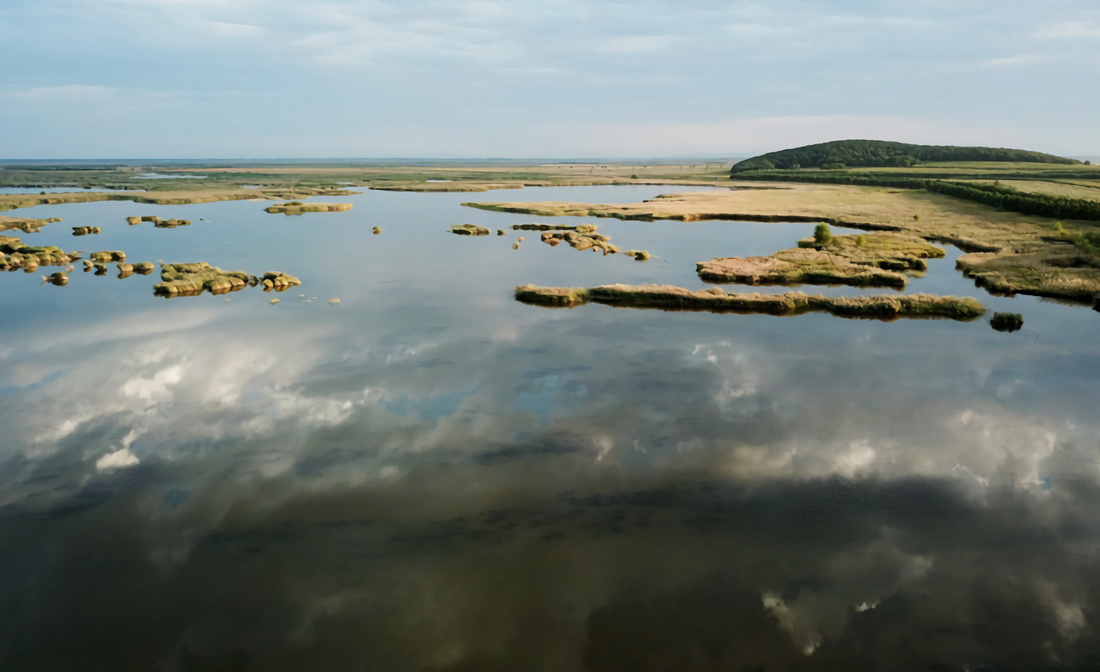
x,y
168,161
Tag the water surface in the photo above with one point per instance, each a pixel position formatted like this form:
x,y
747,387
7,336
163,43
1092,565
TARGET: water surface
x,y
430,476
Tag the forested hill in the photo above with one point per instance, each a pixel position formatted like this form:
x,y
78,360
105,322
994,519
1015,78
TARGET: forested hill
x,y
867,153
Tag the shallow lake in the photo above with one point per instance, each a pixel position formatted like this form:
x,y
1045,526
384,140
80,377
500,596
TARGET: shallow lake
x,y
428,475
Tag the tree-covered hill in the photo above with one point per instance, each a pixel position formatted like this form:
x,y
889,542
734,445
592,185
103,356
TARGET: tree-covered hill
x,y
873,153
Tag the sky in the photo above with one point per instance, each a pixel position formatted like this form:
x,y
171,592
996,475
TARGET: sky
x,y
568,78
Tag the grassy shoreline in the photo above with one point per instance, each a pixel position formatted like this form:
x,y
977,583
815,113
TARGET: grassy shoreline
x,y
715,299
1008,252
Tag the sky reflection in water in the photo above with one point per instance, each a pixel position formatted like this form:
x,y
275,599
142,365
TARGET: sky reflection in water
x,y
429,476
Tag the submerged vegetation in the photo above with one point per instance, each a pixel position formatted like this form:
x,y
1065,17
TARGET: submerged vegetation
x,y
589,240
579,228
581,237
716,299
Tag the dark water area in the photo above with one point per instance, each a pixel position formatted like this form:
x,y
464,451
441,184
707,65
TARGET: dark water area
x,y
428,475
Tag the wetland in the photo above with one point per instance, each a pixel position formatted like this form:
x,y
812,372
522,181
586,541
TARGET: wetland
x,y
397,465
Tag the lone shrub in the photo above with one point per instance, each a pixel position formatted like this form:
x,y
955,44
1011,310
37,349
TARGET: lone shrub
x,y
823,235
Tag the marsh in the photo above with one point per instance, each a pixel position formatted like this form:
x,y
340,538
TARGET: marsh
x,y
424,474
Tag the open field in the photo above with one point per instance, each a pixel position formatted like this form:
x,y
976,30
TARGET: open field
x,y
290,182
964,167
1063,188
717,169
479,178
207,195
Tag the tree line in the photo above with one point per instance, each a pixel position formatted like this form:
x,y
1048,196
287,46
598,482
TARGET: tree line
x,y
841,154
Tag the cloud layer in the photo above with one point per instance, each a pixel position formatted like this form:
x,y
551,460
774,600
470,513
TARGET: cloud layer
x,y
429,78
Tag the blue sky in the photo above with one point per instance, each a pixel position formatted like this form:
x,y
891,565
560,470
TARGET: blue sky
x,y
561,78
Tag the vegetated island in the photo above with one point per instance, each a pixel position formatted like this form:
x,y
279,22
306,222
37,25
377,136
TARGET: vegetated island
x,y
298,207
189,197
1014,242
158,222
195,278
15,255
25,224
469,230
716,299
863,260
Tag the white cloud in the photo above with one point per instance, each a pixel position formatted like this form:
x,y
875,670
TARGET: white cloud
x,y
754,30
155,387
231,29
120,459
66,92
1070,29
637,44
89,96
1009,61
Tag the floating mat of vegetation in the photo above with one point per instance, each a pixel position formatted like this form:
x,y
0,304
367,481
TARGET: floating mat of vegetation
x,y
469,230
793,303
194,279
297,207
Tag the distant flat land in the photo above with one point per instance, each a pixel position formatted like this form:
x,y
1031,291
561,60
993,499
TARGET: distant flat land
x,y
1024,253
284,182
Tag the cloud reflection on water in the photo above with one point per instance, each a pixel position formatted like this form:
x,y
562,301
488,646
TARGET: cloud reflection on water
x,y
665,493
431,477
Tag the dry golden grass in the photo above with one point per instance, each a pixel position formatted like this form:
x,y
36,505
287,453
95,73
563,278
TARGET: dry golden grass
x,y
1021,242
1066,189
668,297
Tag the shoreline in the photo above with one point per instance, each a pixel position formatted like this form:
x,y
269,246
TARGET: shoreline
x,y
1008,252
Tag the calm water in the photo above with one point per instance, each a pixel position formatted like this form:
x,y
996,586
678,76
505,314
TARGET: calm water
x,y
430,476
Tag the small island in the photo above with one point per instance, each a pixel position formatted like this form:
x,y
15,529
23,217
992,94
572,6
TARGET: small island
x,y
716,299
195,278
469,230
298,207
863,260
